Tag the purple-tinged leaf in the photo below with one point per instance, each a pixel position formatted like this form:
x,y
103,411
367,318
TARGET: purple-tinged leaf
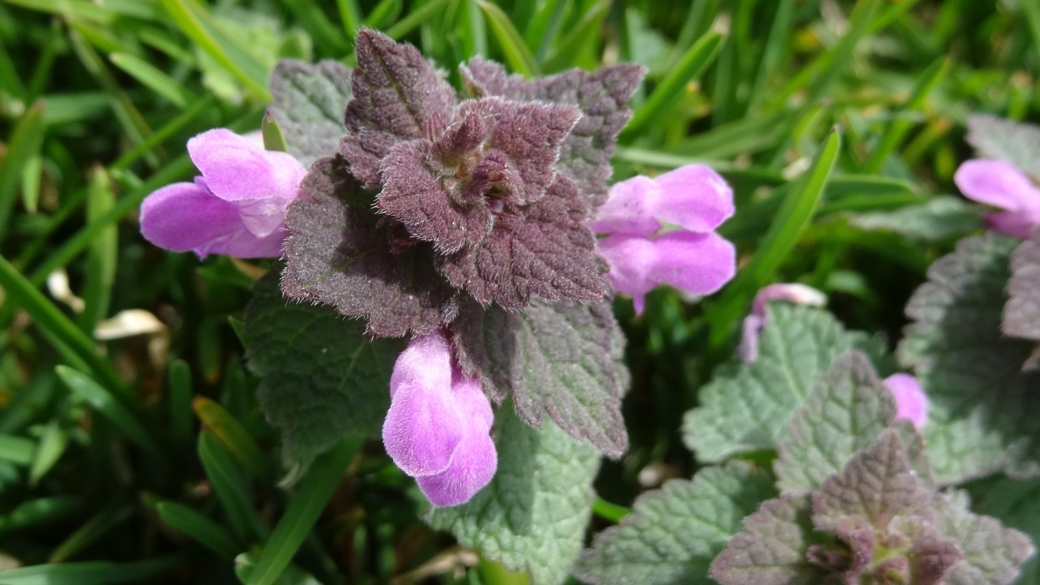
x,y
320,378
340,253
398,96
561,360
308,105
546,251
1022,311
982,404
847,411
993,554
929,556
876,485
773,548
674,533
1013,142
603,98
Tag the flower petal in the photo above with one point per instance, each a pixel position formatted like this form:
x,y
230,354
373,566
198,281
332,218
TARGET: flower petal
x,y
695,263
997,183
475,460
911,401
236,169
1013,223
751,328
184,217
793,292
629,209
424,425
694,197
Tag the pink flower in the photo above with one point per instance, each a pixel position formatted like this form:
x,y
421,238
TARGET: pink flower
x,y
642,256
1001,185
437,429
237,207
911,401
755,322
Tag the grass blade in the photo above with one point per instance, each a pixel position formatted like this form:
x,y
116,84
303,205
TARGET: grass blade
x,y
235,438
415,18
518,56
350,16
39,511
24,145
154,79
17,450
89,533
102,257
312,494
52,445
203,530
111,408
93,572
670,90
231,488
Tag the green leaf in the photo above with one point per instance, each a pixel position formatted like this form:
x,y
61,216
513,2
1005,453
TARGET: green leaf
x,y
518,55
1022,311
94,572
205,531
236,439
938,219
561,360
848,409
747,407
982,405
1016,504
103,254
673,86
993,554
312,494
773,547
231,487
245,569
675,532
321,379
533,514
309,102
22,146
1014,142
153,78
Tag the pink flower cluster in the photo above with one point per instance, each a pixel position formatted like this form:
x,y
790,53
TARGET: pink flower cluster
x,y
438,426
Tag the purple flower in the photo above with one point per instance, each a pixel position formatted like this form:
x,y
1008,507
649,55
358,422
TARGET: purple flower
x,y
755,322
911,401
692,258
237,207
1002,185
437,429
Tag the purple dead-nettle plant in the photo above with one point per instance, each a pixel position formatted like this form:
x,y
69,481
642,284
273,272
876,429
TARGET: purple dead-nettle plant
x,y
465,223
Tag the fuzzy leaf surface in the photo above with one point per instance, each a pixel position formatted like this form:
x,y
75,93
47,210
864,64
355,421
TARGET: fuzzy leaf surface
x,y
937,219
674,533
561,360
982,405
747,407
308,105
848,409
339,254
601,95
773,547
533,514
1022,312
993,554
398,96
320,378
1013,142
1016,503
546,251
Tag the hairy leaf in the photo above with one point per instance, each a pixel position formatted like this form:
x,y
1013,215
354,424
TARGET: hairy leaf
x,y
546,251
848,409
562,360
1022,311
674,533
320,379
339,253
398,96
993,554
603,98
773,548
308,105
982,404
747,407
533,514
937,219
1016,143
876,485
1016,503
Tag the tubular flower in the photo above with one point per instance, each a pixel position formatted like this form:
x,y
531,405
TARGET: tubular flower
x,y
911,401
755,322
437,428
237,207
642,255
1001,185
